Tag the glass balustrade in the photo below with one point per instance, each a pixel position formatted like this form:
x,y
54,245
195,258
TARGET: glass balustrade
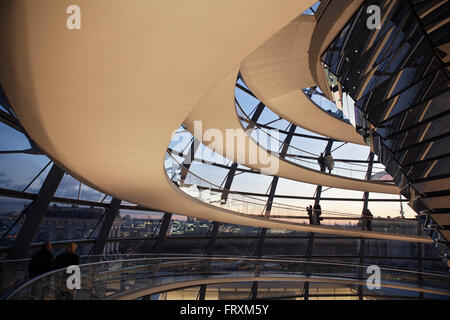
x,y
134,278
200,188
268,138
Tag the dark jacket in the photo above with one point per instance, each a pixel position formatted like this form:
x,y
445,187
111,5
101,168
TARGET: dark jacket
x,y
41,262
367,215
322,162
310,214
317,209
66,259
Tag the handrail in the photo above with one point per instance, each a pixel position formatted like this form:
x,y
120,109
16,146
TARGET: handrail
x,y
299,161
224,262
281,205
173,256
330,111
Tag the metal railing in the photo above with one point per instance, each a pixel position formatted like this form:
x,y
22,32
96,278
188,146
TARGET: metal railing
x,y
211,193
297,155
134,278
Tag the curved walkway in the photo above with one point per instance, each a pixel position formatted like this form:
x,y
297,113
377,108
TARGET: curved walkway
x,y
277,72
217,113
144,276
102,101
189,282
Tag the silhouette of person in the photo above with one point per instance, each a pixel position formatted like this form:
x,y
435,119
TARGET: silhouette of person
x,y
310,214
329,161
367,217
321,161
63,260
41,261
68,258
317,214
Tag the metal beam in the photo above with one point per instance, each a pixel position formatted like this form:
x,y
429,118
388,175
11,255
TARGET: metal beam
x,y
212,241
368,178
301,135
335,160
420,260
35,213
157,247
319,188
265,195
228,182
309,248
263,231
162,233
209,252
258,253
362,243
188,159
215,164
245,90
10,121
108,220
259,109
31,196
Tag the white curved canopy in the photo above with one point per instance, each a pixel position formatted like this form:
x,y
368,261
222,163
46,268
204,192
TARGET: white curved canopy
x,y
103,101
277,72
218,112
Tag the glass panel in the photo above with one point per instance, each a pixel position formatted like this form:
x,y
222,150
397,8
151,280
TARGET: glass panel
x,y
18,170
10,212
12,140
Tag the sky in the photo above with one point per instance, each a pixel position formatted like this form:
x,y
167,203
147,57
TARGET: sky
x,y
260,183
17,170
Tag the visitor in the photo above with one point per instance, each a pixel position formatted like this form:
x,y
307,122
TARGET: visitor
x,y
367,218
64,260
322,162
68,258
310,214
329,161
41,261
317,214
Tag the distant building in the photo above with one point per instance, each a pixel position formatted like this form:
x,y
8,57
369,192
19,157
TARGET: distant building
x,y
7,220
72,223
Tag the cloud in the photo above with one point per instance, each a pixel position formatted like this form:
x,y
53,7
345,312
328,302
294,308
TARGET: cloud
x,y
5,182
10,204
68,188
